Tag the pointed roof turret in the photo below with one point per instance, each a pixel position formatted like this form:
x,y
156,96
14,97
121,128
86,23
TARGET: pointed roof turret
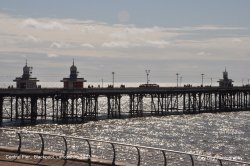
x,y
26,81
73,67
225,74
225,82
73,81
73,70
27,70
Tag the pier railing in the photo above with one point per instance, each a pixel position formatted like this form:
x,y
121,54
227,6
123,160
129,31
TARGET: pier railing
x,y
71,147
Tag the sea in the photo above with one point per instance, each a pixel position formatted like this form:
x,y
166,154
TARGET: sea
x,y
225,135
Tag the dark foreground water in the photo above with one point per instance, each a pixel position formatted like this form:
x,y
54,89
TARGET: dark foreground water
x,y
225,135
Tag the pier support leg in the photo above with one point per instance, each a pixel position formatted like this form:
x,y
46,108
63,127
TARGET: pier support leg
x,y
109,106
33,109
76,108
16,108
184,103
220,102
200,102
194,105
64,108
53,108
91,107
11,108
189,102
1,111
57,109
161,103
83,108
177,102
72,108
45,108
22,109
136,105
96,107
114,106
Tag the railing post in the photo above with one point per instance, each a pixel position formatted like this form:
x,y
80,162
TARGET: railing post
x,y
66,146
42,148
192,159
20,143
113,146
220,162
139,156
165,159
90,153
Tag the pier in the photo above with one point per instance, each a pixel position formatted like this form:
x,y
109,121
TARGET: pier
x,y
81,105
74,103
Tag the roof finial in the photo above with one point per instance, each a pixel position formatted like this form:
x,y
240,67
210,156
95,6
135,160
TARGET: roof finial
x,y
26,62
225,69
73,62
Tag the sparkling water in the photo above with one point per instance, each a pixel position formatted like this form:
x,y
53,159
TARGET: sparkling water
x,y
225,135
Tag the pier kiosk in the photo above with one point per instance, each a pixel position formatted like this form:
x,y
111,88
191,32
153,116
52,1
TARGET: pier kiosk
x,y
26,81
73,82
225,82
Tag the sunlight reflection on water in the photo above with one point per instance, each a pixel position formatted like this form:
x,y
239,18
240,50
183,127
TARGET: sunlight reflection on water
x,y
220,135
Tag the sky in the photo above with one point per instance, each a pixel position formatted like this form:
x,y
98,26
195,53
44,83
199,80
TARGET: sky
x,y
188,37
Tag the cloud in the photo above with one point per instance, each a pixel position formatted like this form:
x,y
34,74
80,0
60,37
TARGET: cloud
x,y
56,45
67,45
119,44
113,44
87,45
214,27
237,40
203,53
32,39
126,44
43,25
59,45
158,43
205,28
65,37
87,28
52,55
119,35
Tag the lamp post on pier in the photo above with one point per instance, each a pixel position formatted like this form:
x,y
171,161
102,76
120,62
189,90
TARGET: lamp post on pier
x,y
180,80
202,78
147,74
177,75
113,79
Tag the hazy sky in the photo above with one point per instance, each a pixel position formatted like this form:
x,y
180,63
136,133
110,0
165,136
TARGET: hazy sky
x,y
126,36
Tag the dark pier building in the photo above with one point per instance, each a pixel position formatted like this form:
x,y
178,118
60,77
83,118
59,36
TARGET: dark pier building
x,y
225,82
73,82
26,81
